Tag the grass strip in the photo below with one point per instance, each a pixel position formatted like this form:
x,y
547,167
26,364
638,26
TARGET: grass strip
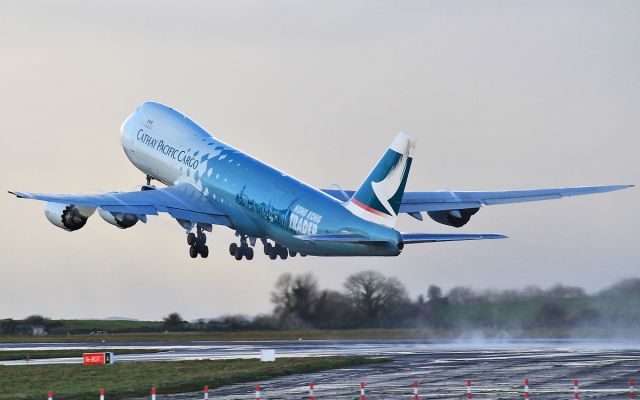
x,y
305,334
9,355
320,334
133,379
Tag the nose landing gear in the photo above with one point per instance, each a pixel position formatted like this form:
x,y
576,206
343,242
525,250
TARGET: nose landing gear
x,y
197,244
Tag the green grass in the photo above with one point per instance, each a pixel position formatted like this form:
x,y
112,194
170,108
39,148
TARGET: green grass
x,y
136,378
40,354
89,325
305,334
513,330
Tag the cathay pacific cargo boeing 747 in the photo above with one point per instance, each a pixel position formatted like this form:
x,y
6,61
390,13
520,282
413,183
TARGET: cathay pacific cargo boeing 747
x,y
211,183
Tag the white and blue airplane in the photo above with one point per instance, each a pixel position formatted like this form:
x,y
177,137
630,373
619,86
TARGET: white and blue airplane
x,y
211,183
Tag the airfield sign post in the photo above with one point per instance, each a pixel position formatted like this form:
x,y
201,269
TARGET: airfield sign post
x,y
97,358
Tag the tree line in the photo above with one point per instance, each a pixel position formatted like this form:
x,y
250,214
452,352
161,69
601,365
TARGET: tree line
x,y
370,299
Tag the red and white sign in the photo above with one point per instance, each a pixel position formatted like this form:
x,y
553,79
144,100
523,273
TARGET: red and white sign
x,y
97,358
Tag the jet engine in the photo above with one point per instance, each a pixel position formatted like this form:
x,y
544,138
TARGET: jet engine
x,y
456,218
121,220
67,216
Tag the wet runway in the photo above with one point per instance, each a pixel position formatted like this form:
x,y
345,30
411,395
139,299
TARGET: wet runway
x,y
496,373
496,369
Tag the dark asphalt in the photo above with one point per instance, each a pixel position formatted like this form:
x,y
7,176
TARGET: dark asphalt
x,y
495,374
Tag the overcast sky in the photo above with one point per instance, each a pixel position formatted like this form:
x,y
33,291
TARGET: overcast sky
x,y
500,95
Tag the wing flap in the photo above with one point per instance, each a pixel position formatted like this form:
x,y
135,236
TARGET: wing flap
x,y
198,216
428,206
128,209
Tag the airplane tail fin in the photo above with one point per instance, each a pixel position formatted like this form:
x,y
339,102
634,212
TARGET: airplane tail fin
x,y
379,197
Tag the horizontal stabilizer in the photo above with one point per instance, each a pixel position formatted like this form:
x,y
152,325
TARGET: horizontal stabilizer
x,y
339,238
410,238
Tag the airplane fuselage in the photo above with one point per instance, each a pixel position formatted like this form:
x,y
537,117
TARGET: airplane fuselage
x,y
260,201
211,183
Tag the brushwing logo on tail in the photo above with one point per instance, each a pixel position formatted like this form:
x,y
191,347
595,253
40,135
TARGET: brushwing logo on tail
x,y
389,188
381,193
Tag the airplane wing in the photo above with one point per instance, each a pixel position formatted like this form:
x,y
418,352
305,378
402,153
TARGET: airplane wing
x,y
182,201
440,201
415,202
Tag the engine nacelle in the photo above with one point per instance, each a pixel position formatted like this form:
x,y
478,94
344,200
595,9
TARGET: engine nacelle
x,y
121,220
456,218
67,216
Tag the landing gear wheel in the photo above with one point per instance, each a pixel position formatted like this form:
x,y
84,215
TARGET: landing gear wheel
x,y
292,253
191,239
249,253
204,251
239,253
193,251
302,255
284,253
233,248
268,248
202,238
273,254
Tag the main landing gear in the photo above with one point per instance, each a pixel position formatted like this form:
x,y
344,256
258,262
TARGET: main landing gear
x,y
278,250
242,250
245,249
197,244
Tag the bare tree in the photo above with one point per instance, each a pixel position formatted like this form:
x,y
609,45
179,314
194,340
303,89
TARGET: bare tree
x,y
173,320
560,291
532,292
35,320
333,310
8,326
295,297
434,293
461,295
371,292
